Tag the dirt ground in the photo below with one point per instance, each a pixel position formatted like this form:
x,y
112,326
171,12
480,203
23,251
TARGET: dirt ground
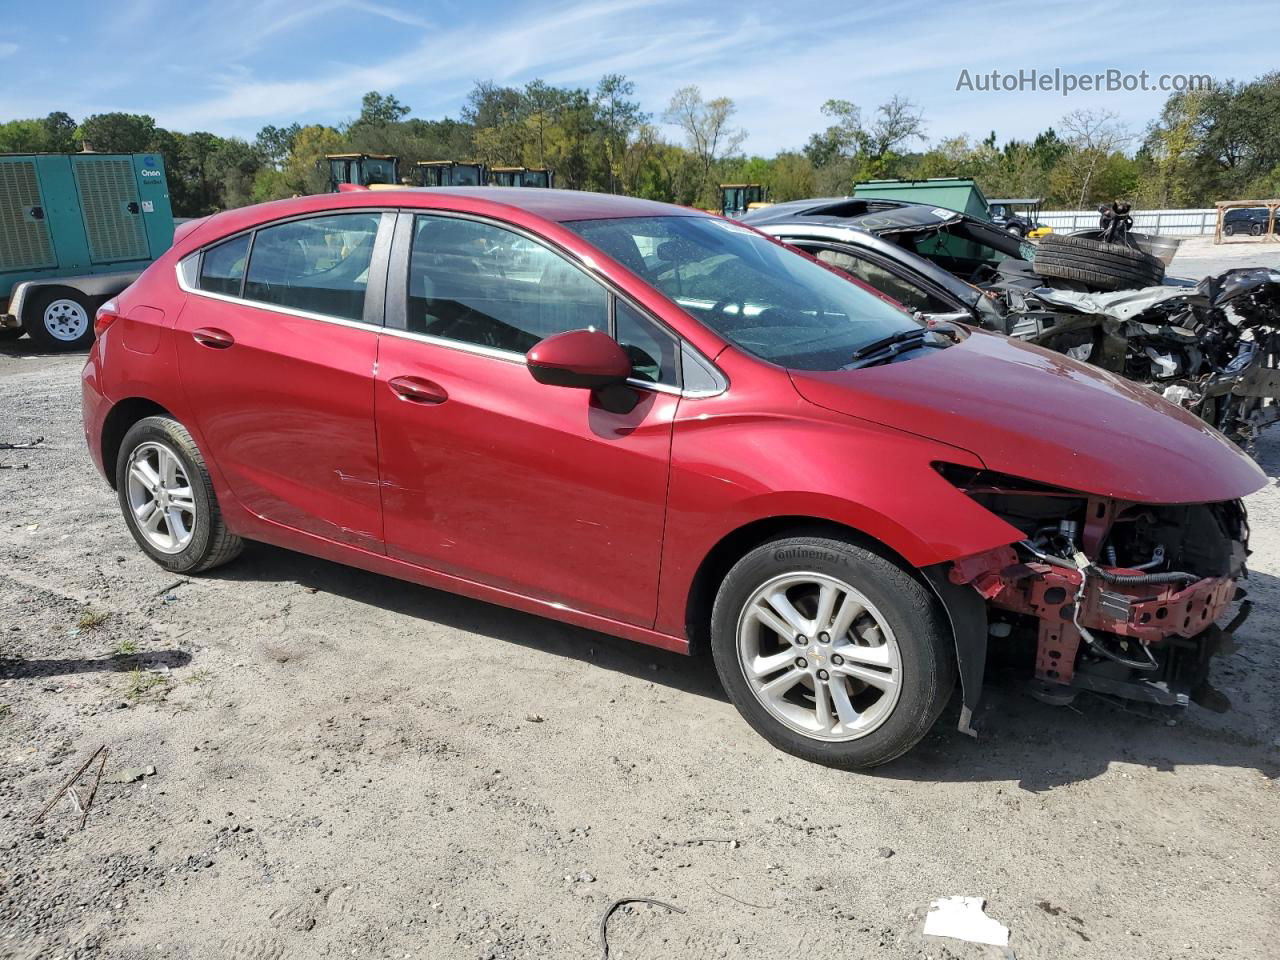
x,y
350,766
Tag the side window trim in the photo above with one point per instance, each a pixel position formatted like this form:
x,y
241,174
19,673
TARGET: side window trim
x,y
886,265
375,292
248,258
397,303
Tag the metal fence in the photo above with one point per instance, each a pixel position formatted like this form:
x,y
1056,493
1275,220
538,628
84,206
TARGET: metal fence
x,y
1178,223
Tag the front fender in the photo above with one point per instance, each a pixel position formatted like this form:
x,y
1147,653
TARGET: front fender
x,y
731,470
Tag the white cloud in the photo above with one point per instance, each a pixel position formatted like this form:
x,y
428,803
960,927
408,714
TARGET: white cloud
x,y
231,65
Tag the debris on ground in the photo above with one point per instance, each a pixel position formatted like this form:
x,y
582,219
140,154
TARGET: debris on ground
x,y
70,782
131,774
604,920
962,918
21,444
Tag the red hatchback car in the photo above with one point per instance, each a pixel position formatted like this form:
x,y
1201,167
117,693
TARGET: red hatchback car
x,y
662,425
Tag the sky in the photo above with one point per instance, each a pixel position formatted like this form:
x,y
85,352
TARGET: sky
x,y
232,66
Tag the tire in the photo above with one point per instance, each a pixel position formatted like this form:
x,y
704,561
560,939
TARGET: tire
x,y
59,319
900,633
1016,231
198,539
1255,230
1229,229
1103,266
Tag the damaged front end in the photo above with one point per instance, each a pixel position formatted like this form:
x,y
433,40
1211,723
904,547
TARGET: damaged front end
x,y
1213,349
1119,598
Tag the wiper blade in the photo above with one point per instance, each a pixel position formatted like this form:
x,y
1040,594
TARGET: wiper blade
x,y
902,336
925,339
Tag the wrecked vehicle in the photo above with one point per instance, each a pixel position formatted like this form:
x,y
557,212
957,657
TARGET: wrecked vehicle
x,y
653,422
1211,347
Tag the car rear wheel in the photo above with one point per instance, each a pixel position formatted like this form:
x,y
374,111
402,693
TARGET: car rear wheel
x,y
59,320
831,652
167,498
1229,229
1255,230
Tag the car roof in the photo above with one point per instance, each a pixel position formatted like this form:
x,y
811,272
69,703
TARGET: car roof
x,y
509,203
865,213
558,205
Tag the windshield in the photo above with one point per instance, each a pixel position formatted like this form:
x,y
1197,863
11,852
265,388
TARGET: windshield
x,y
766,299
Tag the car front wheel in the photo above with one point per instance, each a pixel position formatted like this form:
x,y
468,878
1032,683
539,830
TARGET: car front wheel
x,y
832,652
167,498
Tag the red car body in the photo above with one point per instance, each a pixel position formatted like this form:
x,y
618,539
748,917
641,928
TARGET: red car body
x,y
487,483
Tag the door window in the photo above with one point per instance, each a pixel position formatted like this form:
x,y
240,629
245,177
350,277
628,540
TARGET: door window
x,y
480,284
652,350
222,267
910,295
319,265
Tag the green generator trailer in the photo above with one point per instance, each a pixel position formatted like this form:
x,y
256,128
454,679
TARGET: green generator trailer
x,y
75,230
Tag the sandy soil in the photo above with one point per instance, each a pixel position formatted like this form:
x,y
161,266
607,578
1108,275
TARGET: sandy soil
x,y
349,766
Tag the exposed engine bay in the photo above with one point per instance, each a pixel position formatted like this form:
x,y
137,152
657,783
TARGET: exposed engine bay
x,y
1213,348
1119,598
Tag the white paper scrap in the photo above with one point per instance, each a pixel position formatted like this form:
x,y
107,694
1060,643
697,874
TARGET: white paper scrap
x,y
961,918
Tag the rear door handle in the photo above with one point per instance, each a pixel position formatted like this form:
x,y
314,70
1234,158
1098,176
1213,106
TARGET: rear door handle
x,y
418,390
213,337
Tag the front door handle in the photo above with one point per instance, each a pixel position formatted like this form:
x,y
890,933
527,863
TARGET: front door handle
x,y
418,390
213,337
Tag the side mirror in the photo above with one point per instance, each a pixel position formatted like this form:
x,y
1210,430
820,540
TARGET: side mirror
x,y
589,360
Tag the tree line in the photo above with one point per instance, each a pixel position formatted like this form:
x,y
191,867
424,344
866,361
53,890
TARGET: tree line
x,y
1214,144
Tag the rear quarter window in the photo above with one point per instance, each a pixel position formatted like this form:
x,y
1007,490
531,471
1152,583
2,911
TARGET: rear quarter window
x,y
222,266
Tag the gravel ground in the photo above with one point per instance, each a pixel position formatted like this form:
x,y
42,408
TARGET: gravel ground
x,y
329,763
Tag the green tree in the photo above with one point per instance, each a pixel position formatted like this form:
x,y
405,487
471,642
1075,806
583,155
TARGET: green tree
x,y
707,128
620,117
61,129
117,132
274,143
381,108
24,136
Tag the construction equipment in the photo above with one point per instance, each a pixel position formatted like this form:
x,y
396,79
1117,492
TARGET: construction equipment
x,y
737,198
521,176
75,230
361,169
1019,216
449,173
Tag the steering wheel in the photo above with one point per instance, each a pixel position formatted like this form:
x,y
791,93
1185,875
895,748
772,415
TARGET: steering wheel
x,y
722,305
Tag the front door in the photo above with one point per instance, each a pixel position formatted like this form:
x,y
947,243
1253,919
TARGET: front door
x,y
493,477
277,349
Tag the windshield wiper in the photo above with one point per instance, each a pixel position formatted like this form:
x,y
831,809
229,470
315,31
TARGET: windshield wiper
x,y
902,336
885,349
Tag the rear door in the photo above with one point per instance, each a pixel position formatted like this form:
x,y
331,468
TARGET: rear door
x,y
277,345
491,476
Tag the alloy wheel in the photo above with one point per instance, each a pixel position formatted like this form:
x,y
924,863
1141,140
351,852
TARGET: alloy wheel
x,y
161,497
819,656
